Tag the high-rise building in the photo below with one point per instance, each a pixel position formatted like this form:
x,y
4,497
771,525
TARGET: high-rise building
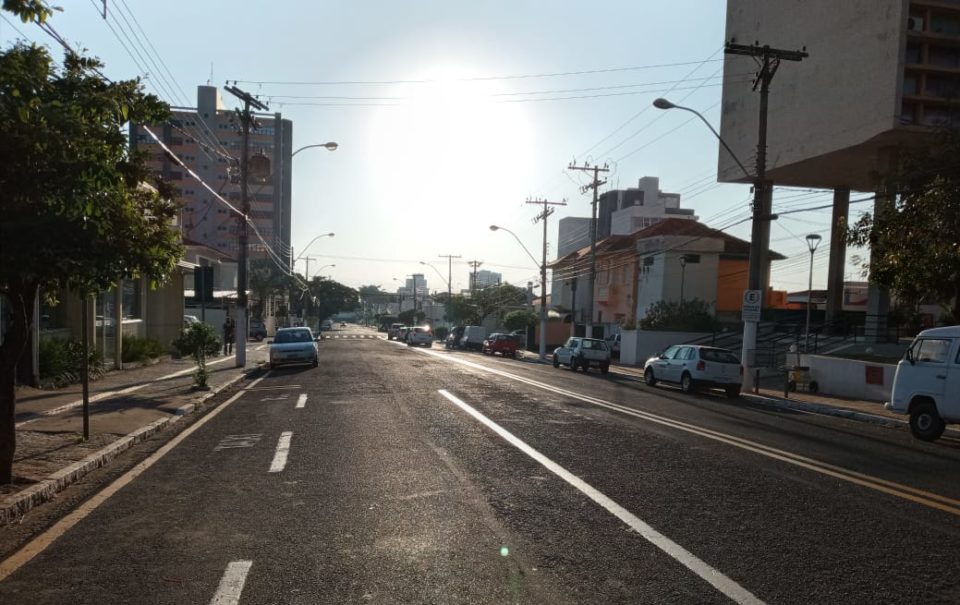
x,y
484,279
208,139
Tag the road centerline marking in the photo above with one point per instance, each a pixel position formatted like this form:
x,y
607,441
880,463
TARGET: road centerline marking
x,y
283,450
231,584
301,401
710,574
891,488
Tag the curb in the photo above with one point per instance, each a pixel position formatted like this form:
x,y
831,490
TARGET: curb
x,y
824,410
17,505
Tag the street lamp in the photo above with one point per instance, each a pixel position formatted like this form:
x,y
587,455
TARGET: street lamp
x,y
307,274
543,286
331,146
683,271
813,240
305,248
758,243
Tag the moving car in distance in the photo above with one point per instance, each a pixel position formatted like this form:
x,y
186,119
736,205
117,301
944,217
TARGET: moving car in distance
x,y
293,345
580,352
393,331
505,344
420,335
257,330
696,366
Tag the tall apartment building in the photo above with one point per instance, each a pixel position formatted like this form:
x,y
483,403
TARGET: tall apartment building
x,y
208,139
484,279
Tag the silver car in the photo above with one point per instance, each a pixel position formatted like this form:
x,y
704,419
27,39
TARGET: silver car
x,y
696,366
294,345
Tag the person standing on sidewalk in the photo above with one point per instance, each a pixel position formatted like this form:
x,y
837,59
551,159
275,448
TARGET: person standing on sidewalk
x,y
228,335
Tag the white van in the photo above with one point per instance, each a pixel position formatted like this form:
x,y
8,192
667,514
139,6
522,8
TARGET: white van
x,y
473,337
927,383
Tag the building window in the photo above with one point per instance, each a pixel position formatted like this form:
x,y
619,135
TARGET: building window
x,y
910,84
943,57
131,299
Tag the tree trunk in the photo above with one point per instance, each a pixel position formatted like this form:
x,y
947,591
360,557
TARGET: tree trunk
x,y
20,297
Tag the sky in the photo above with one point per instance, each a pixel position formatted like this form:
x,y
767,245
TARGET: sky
x,y
451,115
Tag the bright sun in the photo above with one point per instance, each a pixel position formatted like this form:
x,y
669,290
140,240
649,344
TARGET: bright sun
x,y
451,144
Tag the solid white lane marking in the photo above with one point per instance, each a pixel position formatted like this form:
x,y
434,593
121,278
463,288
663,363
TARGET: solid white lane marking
x,y
41,542
899,490
708,573
283,450
301,401
231,584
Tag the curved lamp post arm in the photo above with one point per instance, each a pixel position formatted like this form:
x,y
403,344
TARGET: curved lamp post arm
x,y
437,271
331,146
536,263
662,103
307,247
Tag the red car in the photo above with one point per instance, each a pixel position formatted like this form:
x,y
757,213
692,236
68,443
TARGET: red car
x,y
504,344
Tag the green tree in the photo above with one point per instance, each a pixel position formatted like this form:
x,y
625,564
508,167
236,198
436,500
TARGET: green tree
x,y
76,211
328,297
461,310
519,320
411,317
265,280
687,316
198,340
497,300
915,240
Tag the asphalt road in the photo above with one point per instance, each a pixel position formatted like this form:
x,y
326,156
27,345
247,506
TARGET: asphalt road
x,y
396,475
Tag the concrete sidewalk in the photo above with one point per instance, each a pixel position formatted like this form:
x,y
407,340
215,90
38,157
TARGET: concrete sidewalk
x,y
126,407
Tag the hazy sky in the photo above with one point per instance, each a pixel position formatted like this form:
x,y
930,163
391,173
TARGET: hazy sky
x,y
439,134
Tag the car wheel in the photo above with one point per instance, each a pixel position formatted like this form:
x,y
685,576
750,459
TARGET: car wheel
x,y
925,423
686,383
733,391
316,362
585,366
573,364
605,368
259,337
409,344
649,378
429,345
556,361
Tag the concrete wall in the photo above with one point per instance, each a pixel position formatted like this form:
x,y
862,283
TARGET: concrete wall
x,y
163,310
848,377
636,346
844,94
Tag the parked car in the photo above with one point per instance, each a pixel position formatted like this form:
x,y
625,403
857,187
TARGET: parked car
x,y
613,341
505,344
394,330
189,320
520,336
696,366
420,335
926,384
325,325
580,352
453,338
473,337
294,345
257,330
402,333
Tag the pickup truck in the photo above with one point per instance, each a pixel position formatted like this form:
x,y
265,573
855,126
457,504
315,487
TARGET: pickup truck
x,y
580,352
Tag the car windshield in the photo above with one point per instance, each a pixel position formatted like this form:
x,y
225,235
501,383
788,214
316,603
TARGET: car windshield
x,y
288,336
599,345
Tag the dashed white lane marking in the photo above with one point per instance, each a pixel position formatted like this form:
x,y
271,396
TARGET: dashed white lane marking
x,y
231,584
283,450
301,401
709,574
41,542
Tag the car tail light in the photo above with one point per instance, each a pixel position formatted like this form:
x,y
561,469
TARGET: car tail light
x,y
701,365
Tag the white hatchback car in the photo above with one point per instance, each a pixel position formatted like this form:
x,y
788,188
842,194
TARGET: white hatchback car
x,y
293,345
420,335
696,366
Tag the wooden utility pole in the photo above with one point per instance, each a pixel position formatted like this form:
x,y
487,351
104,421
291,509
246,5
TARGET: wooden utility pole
x,y
449,258
768,61
595,186
246,120
542,217
474,264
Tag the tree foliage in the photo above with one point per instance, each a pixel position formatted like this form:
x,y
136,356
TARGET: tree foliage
x,y
328,297
519,320
687,316
199,340
411,317
915,240
266,279
77,211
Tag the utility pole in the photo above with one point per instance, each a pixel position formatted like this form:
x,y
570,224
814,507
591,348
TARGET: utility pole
x,y
474,264
768,61
246,120
449,257
542,217
595,185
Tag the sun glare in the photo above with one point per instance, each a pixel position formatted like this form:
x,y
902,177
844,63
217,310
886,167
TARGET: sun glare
x,y
450,143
